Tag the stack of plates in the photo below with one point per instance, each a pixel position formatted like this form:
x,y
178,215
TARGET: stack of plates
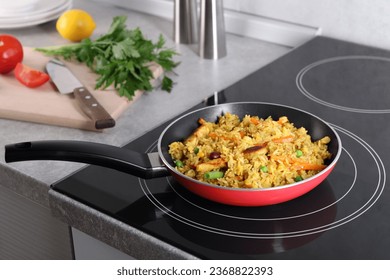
x,y
37,12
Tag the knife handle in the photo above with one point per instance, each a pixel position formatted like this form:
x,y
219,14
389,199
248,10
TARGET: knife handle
x,y
93,109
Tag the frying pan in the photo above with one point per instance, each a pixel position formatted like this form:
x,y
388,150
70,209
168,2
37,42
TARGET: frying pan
x,y
160,164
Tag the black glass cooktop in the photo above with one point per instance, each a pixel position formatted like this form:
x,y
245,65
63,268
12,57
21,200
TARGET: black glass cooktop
x,y
346,217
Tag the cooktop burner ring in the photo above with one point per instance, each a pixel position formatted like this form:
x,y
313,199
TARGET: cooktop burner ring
x,y
378,189
275,218
304,71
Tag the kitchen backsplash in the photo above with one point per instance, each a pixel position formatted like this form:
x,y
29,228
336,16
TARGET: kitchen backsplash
x,y
291,22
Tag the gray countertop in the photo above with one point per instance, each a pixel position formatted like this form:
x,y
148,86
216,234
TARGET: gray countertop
x,y
196,80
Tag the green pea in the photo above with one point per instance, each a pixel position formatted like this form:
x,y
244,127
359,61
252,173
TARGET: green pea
x,y
196,150
264,169
299,153
179,163
298,178
213,175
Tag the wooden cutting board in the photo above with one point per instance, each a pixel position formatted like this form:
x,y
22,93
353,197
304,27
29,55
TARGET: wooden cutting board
x,y
46,105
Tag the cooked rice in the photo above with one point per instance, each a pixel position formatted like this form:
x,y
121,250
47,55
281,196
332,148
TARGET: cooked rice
x,y
252,153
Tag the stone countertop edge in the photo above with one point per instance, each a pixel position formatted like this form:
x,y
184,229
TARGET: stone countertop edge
x,y
24,185
119,235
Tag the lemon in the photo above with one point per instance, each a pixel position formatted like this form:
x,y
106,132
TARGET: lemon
x,y
75,25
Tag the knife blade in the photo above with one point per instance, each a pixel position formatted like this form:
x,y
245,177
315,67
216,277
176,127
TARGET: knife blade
x,y
67,83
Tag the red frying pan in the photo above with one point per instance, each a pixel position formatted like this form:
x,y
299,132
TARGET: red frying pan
x,y
160,164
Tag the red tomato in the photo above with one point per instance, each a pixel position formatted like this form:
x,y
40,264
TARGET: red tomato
x,y
30,77
11,53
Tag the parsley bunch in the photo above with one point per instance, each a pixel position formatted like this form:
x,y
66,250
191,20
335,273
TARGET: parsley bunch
x,y
121,58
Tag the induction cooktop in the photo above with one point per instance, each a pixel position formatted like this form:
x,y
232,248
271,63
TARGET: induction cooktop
x,y
345,217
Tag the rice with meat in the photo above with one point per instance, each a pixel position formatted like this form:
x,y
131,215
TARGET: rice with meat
x,y
249,153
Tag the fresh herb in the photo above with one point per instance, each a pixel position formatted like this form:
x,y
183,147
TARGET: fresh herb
x,y
121,58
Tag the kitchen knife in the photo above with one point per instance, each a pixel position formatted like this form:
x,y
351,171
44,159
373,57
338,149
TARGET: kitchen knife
x,y
67,83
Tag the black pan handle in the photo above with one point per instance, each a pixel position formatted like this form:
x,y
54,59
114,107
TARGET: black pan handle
x,y
141,165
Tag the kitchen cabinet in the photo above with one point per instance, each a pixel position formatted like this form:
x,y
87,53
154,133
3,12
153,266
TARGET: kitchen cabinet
x,y
29,231
89,248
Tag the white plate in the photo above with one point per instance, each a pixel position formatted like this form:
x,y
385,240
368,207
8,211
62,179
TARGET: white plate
x,y
39,19
9,8
39,7
34,17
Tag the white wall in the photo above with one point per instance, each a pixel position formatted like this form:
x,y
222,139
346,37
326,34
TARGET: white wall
x,y
362,21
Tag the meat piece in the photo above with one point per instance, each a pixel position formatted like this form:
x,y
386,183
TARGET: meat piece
x,y
214,164
258,149
200,132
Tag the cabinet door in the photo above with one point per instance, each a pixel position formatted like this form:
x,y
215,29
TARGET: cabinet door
x,y
28,231
89,248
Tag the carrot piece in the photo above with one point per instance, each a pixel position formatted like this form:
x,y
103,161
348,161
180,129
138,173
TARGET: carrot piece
x,y
282,120
255,121
308,166
214,136
201,121
284,139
